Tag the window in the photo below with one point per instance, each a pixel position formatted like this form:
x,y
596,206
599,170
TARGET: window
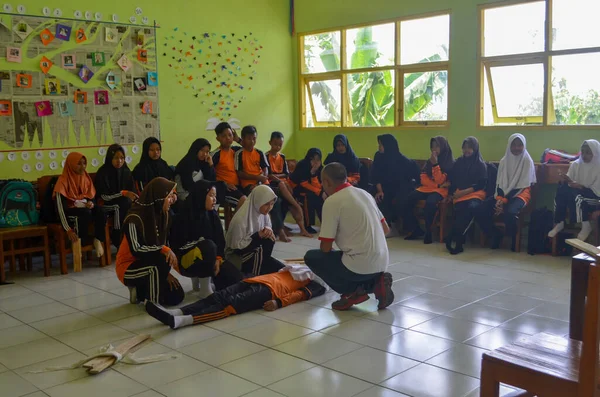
x,y
543,70
382,75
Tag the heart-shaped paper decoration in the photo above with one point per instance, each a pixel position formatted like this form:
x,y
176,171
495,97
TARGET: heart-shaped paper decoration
x,y
217,68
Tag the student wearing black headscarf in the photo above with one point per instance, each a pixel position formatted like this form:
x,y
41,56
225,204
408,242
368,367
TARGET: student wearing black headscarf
x,y
393,174
115,191
468,180
307,182
343,154
151,165
196,165
433,189
198,240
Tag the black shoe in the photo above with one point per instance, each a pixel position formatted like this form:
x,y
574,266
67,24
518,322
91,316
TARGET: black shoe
x,y
428,239
415,235
496,242
448,242
513,244
311,230
457,250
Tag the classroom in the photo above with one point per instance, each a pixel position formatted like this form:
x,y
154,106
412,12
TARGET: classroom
x,y
300,198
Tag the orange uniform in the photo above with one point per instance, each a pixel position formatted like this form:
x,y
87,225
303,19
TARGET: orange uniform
x,y
251,162
224,161
433,185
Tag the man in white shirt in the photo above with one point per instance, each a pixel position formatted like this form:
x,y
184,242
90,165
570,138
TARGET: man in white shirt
x,y
353,221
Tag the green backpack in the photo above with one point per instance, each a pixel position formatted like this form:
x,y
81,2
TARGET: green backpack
x,y
18,200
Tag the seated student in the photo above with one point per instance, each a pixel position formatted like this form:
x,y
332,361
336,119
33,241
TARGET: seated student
x,y
224,162
115,191
433,189
74,193
516,174
198,240
468,180
253,170
270,292
250,239
394,176
307,178
579,191
196,165
151,165
352,220
144,261
343,154
279,181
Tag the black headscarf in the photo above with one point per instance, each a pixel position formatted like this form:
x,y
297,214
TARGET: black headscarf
x,y
469,171
348,159
194,221
148,215
148,169
392,168
302,172
110,180
190,164
445,158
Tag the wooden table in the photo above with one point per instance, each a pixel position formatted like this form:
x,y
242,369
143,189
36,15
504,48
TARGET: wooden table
x,y
20,233
580,266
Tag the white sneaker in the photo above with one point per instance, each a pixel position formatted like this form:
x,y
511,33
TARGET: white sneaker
x,y
99,247
586,229
557,229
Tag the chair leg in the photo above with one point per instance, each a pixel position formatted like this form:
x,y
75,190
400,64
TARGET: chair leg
x,y
22,263
489,386
2,275
107,260
13,264
46,255
62,252
554,246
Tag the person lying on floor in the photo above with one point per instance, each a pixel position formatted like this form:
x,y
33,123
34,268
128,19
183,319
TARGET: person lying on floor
x,y
292,284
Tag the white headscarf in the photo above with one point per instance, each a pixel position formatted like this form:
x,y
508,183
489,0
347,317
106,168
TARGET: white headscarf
x,y
587,174
248,219
516,172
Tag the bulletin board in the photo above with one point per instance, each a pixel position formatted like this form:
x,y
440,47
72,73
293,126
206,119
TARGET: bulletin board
x,y
67,83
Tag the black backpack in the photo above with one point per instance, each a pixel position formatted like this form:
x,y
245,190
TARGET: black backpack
x,y
48,208
540,224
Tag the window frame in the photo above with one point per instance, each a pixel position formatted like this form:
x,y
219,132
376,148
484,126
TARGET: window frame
x,y
396,68
544,57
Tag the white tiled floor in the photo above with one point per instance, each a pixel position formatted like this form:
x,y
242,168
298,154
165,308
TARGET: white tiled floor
x,y
448,311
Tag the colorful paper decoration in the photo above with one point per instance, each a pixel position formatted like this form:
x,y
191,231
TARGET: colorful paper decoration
x,y
80,36
142,55
5,108
13,54
111,35
112,80
43,108
125,63
24,80
85,74
101,97
63,32
139,84
22,29
152,79
69,61
98,59
45,64
66,108
46,36
52,86
147,107
80,97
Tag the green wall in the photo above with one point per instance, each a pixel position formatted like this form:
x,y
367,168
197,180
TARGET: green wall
x,y
269,105
314,15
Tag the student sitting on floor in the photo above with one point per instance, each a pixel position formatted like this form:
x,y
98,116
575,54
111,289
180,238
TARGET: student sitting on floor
x,y
580,190
224,162
279,181
253,170
516,174
394,175
74,194
307,178
433,189
196,165
270,292
115,191
352,220
144,262
343,154
250,239
468,179
151,164
198,240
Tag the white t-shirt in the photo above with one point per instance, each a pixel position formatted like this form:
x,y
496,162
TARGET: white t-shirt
x,y
352,219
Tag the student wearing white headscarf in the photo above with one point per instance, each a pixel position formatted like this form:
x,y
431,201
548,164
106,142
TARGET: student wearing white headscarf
x,y
250,239
580,191
516,174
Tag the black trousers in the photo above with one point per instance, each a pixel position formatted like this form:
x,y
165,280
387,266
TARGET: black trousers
x,y
329,266
576,201
257,259
464,213
118,209
393,198
205,267
485,216
226,196
313,202
409,219
150,281
81,219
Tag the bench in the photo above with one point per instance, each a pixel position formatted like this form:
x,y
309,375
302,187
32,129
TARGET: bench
x,y
23,234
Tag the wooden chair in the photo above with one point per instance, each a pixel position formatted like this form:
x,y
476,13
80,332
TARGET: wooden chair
x,y
570,228
441,218
548,365
58,233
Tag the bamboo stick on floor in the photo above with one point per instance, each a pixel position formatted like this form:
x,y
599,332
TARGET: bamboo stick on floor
x,y
584,247
99,364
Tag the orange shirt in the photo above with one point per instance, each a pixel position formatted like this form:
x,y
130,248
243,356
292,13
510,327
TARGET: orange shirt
x,y
479,195
282,286
124,259
432,185
251,163
524,195
277,164
224,161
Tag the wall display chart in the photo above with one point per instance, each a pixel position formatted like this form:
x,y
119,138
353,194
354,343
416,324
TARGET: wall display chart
x,y
74,83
